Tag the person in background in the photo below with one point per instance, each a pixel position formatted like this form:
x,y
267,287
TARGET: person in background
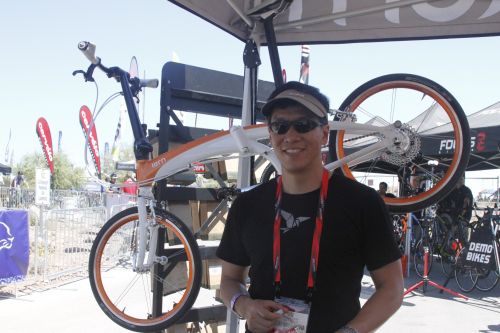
x,y
130,185
113,187
303,238
18,181
382,190
459,202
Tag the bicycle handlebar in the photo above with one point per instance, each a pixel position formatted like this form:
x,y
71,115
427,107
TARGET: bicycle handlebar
x,y
130,88
148,83
88,50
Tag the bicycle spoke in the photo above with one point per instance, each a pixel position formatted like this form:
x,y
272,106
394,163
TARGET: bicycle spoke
x,y
418,147
127,290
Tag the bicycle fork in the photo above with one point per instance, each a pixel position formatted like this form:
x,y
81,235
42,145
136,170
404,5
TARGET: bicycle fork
x,y
147,237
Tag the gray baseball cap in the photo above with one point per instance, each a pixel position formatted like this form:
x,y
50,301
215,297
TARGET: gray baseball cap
x,y
306,100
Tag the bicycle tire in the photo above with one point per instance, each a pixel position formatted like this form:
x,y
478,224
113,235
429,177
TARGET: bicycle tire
x,y
446,244
465,274
434,101
117,287
268,173
418,259
487,279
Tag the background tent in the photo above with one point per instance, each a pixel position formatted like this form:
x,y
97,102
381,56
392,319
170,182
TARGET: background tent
x,y
5,169
485,135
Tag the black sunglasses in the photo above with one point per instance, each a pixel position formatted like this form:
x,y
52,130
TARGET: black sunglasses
x,y
302,125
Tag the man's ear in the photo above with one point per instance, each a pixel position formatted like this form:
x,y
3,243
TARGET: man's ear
x,y
325,130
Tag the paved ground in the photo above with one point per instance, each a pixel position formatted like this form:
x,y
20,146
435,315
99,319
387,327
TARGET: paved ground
x,y
71,308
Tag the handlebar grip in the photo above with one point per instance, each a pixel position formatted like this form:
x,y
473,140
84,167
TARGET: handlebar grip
x,y
149,83
88,50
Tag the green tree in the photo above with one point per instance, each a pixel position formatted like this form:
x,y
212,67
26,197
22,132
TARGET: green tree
x,y
66,175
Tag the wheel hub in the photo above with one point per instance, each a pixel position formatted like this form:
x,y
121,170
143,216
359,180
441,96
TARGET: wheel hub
x,y
405,145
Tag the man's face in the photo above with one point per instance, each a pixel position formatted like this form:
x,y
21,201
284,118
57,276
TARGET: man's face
x,y
298,151
382,188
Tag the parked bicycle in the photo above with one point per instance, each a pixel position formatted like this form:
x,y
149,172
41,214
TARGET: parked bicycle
x,y
145,265
470,267
487,278
450,238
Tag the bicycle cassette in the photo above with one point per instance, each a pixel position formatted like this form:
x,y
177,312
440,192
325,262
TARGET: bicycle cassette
x,y
405,146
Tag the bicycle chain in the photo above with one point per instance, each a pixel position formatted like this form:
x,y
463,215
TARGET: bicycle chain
x,y
362,137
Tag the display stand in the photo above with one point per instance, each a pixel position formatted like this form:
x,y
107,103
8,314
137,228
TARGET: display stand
x,y
426,281
191,89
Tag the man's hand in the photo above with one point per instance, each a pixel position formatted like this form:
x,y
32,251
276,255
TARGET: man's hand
x,y
260,315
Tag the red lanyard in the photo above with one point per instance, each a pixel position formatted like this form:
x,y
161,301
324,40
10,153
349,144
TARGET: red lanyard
x,y
313,265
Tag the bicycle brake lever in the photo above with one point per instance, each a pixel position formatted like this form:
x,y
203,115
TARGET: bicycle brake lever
x,y
88,74
79,72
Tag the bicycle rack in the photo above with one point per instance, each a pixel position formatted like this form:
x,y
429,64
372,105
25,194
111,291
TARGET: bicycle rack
x,y
191,89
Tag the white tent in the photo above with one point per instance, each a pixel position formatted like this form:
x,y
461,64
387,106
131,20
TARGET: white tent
x,y
342,21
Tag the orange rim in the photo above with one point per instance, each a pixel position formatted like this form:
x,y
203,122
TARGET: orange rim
x,y
100,287
446,107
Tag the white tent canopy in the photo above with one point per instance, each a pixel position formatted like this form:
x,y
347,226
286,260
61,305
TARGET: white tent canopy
x,y
342,21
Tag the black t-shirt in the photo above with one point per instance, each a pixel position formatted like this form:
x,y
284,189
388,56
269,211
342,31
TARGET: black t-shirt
x,y
356,233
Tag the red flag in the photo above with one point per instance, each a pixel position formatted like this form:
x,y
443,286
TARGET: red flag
x,y
85,120
304,65
43,131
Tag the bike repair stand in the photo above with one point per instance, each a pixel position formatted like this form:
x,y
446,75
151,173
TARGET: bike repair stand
x,y
426,281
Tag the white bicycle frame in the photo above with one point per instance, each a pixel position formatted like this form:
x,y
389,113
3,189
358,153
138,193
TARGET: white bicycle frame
x,y
243,142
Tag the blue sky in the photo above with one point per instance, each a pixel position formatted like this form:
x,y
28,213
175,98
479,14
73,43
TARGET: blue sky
x,y
39,53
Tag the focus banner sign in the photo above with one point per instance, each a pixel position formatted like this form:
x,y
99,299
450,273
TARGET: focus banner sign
x,y
43,132
85,121
14,245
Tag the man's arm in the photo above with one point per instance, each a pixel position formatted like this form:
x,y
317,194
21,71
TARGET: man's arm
x,y
384,302
260,314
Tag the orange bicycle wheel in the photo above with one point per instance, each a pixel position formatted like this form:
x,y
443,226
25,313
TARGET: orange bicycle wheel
x,y
423,167
129,296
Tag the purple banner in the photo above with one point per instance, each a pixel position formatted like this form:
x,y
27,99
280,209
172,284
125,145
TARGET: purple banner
x,y
14,245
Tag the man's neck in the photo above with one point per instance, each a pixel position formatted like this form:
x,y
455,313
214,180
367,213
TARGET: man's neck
x,y
302,182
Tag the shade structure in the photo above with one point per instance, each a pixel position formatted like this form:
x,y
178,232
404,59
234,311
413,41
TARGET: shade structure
x,y
343,21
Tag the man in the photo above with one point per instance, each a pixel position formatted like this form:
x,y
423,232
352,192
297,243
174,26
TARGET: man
x,y
274,233
382,190
18,180
113,187
459,202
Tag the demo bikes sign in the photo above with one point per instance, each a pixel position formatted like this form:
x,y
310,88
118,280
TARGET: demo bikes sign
x,y
91,136
480,249
43,132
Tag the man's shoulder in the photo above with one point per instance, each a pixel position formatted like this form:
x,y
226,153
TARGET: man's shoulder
x,y
348,186
262,191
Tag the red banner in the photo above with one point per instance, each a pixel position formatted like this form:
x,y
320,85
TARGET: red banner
x,y
43,131
304,65
85,120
